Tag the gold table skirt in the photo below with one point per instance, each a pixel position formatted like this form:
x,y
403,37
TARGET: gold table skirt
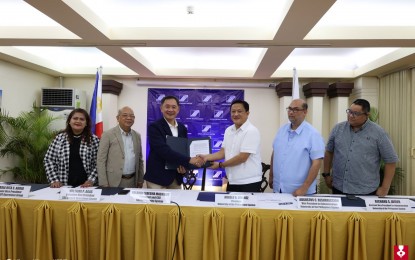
x,y
39,229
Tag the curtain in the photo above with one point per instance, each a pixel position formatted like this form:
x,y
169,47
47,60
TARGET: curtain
x,y
356,237
77,232
42,225
8,230
394,228
249,236
175,235
110,246
284,248
145,228
396,97
213,226
321,238
240,230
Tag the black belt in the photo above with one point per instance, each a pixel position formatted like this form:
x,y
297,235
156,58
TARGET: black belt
x,y
128,176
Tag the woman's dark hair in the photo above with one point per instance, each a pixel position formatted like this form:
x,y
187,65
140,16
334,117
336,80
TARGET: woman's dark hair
x,y
363,103
86,134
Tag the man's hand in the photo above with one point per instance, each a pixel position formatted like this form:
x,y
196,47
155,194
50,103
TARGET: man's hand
x,y
382,191
204,157
181,170
329,181
300,191
197,161
140,184
214,166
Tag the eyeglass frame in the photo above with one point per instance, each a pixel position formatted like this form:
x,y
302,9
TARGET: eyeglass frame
x,y
127,116
294,109
354,113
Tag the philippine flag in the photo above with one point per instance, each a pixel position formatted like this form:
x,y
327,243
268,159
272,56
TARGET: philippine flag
x,y
96,106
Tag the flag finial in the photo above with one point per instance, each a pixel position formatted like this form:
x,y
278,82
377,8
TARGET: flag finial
x,y
296,85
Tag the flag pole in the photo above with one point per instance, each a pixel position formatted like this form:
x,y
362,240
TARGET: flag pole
x,y
296,85
96,105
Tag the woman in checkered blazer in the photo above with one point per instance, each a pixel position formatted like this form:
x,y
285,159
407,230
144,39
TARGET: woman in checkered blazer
x,y
72,156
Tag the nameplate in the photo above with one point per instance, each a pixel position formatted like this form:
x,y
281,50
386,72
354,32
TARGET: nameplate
x,y
158,197
319,202
389,204
14,191
80,194
235,200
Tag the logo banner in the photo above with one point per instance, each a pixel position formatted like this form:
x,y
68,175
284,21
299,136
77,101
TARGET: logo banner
x,y
205,113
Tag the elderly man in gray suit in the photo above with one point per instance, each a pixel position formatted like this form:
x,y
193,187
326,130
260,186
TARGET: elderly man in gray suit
x,y
120,158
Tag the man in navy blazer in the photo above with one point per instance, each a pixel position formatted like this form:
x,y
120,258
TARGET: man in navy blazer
x,y
157,176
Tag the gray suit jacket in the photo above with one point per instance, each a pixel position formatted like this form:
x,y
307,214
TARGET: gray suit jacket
x,y
110,159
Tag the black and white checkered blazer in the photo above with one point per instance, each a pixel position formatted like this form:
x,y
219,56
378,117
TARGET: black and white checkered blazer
x,y
56,160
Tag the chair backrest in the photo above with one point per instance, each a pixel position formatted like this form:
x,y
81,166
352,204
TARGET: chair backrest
x,y
264,182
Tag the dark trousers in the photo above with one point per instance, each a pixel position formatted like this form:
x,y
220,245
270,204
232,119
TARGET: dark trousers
x,y
336,191
251,187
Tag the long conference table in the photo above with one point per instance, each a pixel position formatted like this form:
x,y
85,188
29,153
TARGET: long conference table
x,y
44,227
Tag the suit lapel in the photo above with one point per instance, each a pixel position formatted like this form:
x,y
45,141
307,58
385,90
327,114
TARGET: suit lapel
x,y
135,141
166,127
119,139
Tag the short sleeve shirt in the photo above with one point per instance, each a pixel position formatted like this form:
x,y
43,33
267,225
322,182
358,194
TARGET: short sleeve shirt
x,y
245,139
357,156
294,151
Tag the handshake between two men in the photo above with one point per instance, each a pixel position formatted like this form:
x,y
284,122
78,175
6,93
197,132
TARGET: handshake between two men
x,y
203,160
197,161
200,161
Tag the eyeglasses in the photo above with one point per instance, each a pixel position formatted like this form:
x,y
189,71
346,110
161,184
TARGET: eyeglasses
x,y
294,109
127,115
234,112
354,113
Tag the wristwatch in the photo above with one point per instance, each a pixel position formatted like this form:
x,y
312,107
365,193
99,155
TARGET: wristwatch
x,y
325,174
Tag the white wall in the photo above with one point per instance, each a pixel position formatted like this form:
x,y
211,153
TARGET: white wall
x,y
20,87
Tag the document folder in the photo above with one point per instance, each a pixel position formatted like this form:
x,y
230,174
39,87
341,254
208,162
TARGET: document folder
x,y
188,147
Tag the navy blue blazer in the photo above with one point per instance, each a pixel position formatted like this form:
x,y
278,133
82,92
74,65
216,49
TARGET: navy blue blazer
x,y
160,153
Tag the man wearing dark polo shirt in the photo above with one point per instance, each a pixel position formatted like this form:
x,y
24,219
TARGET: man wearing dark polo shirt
x,y
354,151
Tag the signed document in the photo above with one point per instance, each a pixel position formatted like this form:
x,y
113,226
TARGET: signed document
x,y
188,147
199,146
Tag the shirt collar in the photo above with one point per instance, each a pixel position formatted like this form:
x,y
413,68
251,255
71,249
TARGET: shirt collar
x,y
243,126
299,128
170,125
123,132
365,124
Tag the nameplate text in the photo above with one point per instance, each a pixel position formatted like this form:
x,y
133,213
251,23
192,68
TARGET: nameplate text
x,y
235,200
319,202
157,197
387,204
80,194
14,191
